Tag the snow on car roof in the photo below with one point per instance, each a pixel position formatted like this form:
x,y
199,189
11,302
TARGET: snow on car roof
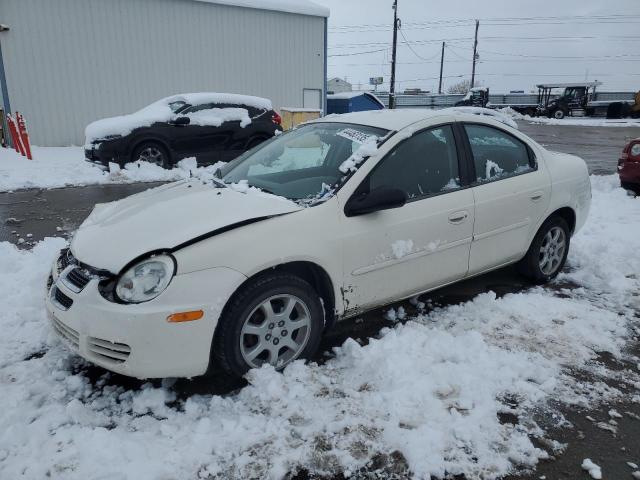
x,y
214,97
161,111
302,7
402,118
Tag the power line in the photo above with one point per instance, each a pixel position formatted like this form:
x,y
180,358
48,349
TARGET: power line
x,y
356,53
408,44
631,56
417,42
512,20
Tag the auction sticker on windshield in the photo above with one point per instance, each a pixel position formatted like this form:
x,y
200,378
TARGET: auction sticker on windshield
x,y
354,135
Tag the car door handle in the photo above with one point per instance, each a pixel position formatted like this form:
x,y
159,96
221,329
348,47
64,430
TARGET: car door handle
x,y
535,196
458,217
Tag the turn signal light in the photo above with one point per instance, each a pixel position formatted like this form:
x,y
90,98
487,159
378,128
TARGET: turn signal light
x,y
185,316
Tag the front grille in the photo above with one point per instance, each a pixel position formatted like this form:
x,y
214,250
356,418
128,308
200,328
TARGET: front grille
x,y
108,351
66,332
78,278
63,301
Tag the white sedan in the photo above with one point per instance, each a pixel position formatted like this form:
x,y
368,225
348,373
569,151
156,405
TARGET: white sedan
x,y
338,216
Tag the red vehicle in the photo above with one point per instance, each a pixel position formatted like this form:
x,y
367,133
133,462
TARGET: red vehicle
x,y
629,166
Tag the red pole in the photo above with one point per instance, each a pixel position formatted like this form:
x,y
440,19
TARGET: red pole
x,y
15,138
24,135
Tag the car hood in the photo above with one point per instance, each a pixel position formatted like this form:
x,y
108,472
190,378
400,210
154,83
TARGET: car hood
x,y
167,217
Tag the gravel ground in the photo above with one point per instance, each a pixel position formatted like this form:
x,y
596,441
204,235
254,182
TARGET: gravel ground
x,y
599,146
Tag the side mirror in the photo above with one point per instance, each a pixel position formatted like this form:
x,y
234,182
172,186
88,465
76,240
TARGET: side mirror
x,y
181,120
381,198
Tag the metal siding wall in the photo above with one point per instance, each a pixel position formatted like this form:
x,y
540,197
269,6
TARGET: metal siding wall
x,y
70,62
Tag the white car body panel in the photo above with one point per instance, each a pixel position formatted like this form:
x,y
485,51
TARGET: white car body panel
x,y
508,215
157,348
165,217
499,221
436,251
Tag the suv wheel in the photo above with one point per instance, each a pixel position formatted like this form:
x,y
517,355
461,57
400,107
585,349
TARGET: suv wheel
x,y
151,152
275,319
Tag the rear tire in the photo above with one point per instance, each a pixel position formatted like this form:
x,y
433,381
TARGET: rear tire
x,y
152,152
631,187
548,251
274,319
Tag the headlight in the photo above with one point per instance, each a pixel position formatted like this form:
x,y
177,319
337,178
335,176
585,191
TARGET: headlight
x,y
146,279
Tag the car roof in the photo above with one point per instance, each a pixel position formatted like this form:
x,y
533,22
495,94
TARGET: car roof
x,y
402,118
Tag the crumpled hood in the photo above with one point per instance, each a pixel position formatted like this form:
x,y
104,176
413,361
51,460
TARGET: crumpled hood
x,y
165,217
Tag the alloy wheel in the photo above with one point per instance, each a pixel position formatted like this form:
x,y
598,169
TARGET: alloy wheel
x,y
275,332
151,154
552,250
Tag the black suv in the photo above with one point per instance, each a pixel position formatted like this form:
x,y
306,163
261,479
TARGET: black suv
x,y
209,126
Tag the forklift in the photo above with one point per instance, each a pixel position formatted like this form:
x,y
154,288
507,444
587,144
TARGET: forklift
x,y
475,97
575,99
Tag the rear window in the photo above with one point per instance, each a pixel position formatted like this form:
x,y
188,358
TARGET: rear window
x,y
497,154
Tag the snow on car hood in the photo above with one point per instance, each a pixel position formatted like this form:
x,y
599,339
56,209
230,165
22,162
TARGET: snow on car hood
x,y
165,217
160,111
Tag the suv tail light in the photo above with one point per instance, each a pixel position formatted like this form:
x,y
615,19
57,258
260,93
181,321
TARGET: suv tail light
x,y
631,152
276,118
634,151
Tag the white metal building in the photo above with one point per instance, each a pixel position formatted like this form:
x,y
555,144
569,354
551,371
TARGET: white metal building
x,y
65,63
338,85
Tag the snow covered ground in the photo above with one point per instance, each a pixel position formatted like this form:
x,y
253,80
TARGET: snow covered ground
x,y
54,167
428,391
579,121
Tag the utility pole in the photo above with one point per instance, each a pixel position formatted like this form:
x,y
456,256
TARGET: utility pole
x,y
475,54
392,88
441,65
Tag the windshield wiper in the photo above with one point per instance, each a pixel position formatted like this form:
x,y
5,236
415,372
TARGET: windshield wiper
x,y
220,183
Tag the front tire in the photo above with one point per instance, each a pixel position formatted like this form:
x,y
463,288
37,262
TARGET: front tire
x,y
559,114
151,152
275,319
548,251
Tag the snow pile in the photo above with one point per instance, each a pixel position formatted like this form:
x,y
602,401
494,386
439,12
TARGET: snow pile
x,y
214,117
164,110
54,167
581,121
425,396
498,115
593,469
604,254
302,7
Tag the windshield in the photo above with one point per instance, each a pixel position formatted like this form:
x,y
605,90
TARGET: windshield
x,y
306,163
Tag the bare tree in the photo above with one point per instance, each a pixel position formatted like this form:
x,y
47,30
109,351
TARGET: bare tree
x,y
460,87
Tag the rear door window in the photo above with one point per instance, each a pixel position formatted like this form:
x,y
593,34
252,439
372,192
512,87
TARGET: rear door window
x,y
497,154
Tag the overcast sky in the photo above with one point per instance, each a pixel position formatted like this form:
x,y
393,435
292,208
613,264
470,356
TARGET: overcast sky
x,y
520,43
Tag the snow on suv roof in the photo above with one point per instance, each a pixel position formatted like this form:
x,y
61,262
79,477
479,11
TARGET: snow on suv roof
x,y
399,119
302,7
213,97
